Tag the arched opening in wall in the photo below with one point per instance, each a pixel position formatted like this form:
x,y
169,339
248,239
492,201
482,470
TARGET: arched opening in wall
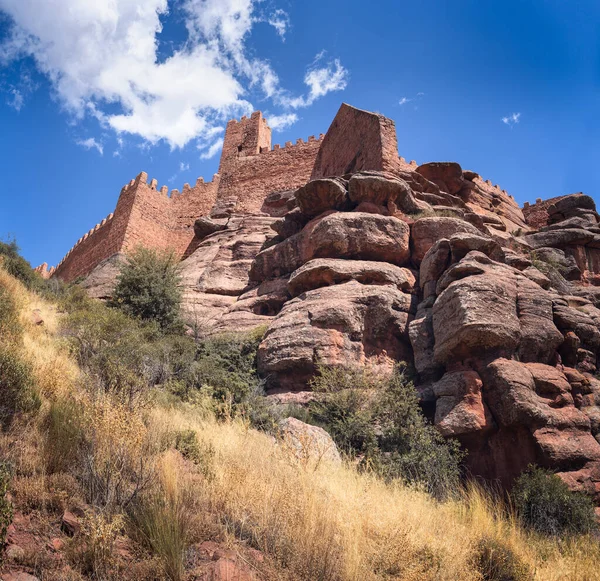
x,y
240,149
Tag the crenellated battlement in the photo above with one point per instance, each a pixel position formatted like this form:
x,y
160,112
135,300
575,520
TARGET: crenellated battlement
x,y
85,237
250,169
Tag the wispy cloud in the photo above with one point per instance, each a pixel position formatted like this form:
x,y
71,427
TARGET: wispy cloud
x,y
512,119
91,143
183,166
406,100
280,21
102,61
212,150
281,122
321,78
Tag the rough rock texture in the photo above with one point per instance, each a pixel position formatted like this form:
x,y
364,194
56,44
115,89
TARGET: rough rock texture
x,y
100,283
361,258
354,235
345,324
308,442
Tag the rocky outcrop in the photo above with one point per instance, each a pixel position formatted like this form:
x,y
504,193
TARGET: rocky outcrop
x,y
376,260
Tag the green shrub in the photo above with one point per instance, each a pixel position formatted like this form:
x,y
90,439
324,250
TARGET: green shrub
x,y
6,510
149,287
187,443
545,504
226,364
17,385
122,356
382,422
497,562
18,267
410,447
345,409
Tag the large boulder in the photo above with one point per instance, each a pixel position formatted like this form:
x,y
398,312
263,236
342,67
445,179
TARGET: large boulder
x,y
447,175
393,194
217,272
459,408
354,235
489,309
329,271
308,443
425,232
204,227
318,196
100,283
559,238
343,325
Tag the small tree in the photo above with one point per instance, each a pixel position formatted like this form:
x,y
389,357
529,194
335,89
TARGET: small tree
x,y
149,287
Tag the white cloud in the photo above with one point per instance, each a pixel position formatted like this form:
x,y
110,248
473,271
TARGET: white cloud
x,y
406,100
281,122
102,61
320,80
511,119
183,166
16,99
280,21
213,149
91,143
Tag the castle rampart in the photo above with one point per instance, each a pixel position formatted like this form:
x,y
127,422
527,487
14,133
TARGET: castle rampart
x,y
250,169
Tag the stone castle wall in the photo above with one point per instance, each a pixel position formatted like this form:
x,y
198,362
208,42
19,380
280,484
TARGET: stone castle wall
x,y
536,215
250,169
147,215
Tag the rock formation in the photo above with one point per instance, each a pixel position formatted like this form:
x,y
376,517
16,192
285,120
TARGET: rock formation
x,y
375,260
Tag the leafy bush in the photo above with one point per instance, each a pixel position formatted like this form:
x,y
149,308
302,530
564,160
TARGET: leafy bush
x,y
187,443
382,421
545,504
18,267
411,448
149,287
346,409
17,385
497,562
121,355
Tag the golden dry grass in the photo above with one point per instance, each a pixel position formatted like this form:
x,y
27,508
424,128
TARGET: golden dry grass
x,y
318,521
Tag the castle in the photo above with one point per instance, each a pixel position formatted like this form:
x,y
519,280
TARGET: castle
x,y
250,169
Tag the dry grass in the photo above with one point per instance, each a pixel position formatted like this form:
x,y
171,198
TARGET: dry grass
x,y
328,522
318,521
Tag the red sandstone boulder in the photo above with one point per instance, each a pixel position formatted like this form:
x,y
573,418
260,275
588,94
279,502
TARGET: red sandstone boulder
x,y
559,238
352,235
217,273
204,227
329,271
290,224
459,407
447,175
486,308
392,194
318,196
425,232
345,325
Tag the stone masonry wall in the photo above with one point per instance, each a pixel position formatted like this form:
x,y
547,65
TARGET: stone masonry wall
x,y
536,215
146,214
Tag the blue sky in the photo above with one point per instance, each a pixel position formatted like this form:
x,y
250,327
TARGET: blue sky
x,y
92,93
